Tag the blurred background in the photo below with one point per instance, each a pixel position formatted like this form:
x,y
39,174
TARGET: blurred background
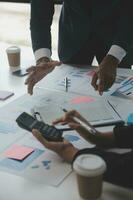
x,y
14,25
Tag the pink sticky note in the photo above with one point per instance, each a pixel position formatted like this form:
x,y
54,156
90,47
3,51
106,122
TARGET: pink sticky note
x,y
82,99
90,73
18,152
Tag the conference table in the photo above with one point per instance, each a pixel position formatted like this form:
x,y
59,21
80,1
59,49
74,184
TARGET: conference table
x,y
13,187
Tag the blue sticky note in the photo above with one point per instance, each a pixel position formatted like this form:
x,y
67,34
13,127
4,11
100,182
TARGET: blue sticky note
x,y
20,165
71,138
130,119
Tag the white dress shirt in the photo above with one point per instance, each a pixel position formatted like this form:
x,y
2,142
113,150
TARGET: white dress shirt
x,y
115,50
43,52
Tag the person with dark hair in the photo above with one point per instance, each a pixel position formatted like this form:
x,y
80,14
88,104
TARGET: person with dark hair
x,y
119,166
86,29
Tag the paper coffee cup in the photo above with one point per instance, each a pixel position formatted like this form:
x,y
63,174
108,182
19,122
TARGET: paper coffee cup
x,y
13,54
89,169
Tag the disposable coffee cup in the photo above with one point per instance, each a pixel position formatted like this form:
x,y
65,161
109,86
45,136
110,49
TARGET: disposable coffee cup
x,y
13,54
89,170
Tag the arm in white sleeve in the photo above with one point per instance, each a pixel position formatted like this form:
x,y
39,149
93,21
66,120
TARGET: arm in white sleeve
x,y
117,51
43,52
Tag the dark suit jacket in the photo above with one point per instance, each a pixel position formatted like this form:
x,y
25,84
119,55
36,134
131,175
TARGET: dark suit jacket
x,y
110,21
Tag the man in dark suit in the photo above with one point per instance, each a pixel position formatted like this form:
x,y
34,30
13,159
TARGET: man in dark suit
x,y
119,166
86,29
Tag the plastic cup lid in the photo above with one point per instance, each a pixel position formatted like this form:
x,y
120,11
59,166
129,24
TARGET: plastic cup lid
x,y
13,49
89,165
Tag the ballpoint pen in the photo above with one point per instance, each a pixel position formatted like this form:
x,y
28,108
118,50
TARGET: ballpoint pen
x,y
103,124
87,126
66,84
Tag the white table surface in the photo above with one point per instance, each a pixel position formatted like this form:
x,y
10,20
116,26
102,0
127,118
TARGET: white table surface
x,y
7,80
17,188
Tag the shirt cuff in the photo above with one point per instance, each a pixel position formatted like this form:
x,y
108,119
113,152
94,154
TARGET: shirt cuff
x,y
117,51
43,52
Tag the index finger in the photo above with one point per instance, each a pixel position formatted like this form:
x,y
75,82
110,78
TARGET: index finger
x,y
31,86
101,85
67,117
59,120
54,63
94,80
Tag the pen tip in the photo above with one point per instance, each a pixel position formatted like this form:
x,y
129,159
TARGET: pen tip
x,y
64,110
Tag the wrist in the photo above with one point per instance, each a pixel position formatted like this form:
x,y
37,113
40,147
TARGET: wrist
x,y
68,153
105,139
111,60
94,138
117,51
42,60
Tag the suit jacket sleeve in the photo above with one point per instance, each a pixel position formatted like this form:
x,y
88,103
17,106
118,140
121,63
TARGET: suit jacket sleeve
x,y
124,136
40,23
123,139
124,35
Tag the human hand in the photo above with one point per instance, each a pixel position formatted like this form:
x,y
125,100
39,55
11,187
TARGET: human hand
x,y
100,139
105,74
64,149
70,119
36,73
